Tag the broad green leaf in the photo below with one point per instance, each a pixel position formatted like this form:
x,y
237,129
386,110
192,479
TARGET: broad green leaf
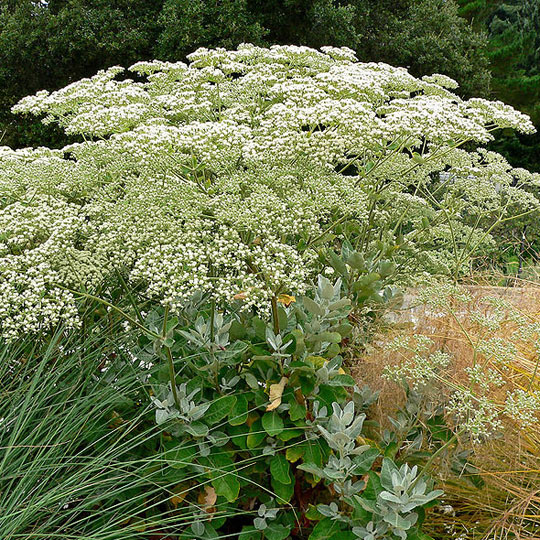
x,y
360,512
391,450
388,467
400,522
282,317
387,268
299,340
368,166
237,331
260,328
238,435
313,514
439,429
256,434
325,529
365,460
330,337
338,263
276,531
220,468
307,384
297,411
227,486
294,453
365,282
356,261
272,423
283,492
180,456
343,329
327,291
290,433
219,409
310,468
197,429
239,412
373,487
249,532
313,307
342,380
280,469
251,380
210,532
312,453
330,394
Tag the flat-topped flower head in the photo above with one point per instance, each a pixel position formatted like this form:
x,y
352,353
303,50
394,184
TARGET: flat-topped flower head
x,y
221,175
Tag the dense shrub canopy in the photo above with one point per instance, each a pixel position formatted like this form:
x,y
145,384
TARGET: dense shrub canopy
x,y
229,175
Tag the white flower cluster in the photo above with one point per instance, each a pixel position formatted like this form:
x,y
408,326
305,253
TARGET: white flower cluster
x,y
524,406
421,370
478,415
219,175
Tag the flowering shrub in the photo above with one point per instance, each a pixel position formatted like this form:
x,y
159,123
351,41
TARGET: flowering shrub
x,y
236,174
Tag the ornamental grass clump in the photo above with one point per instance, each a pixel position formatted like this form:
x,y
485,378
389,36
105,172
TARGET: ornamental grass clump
x,y
479,360
238,174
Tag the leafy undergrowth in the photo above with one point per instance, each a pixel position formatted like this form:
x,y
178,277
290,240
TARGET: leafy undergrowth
x,y
263,435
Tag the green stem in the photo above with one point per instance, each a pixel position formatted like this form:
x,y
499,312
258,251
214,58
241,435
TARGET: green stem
x,y
275,316
130,297
327,230
168,352
435,454
115,308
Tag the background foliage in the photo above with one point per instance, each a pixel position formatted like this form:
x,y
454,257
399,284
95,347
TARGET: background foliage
x,y
513,50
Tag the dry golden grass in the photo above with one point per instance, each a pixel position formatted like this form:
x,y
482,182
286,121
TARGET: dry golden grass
x,y
508,506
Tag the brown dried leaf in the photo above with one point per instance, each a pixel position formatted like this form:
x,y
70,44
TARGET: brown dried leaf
x,y
286,299
207,499
179,494
276,391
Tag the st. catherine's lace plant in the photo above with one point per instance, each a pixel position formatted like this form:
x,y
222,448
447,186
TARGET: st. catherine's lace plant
x,y
231,175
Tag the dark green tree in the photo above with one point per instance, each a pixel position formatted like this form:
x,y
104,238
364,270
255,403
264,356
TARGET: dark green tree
x,y
185,25
427,36
48,45
314,23
513,28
